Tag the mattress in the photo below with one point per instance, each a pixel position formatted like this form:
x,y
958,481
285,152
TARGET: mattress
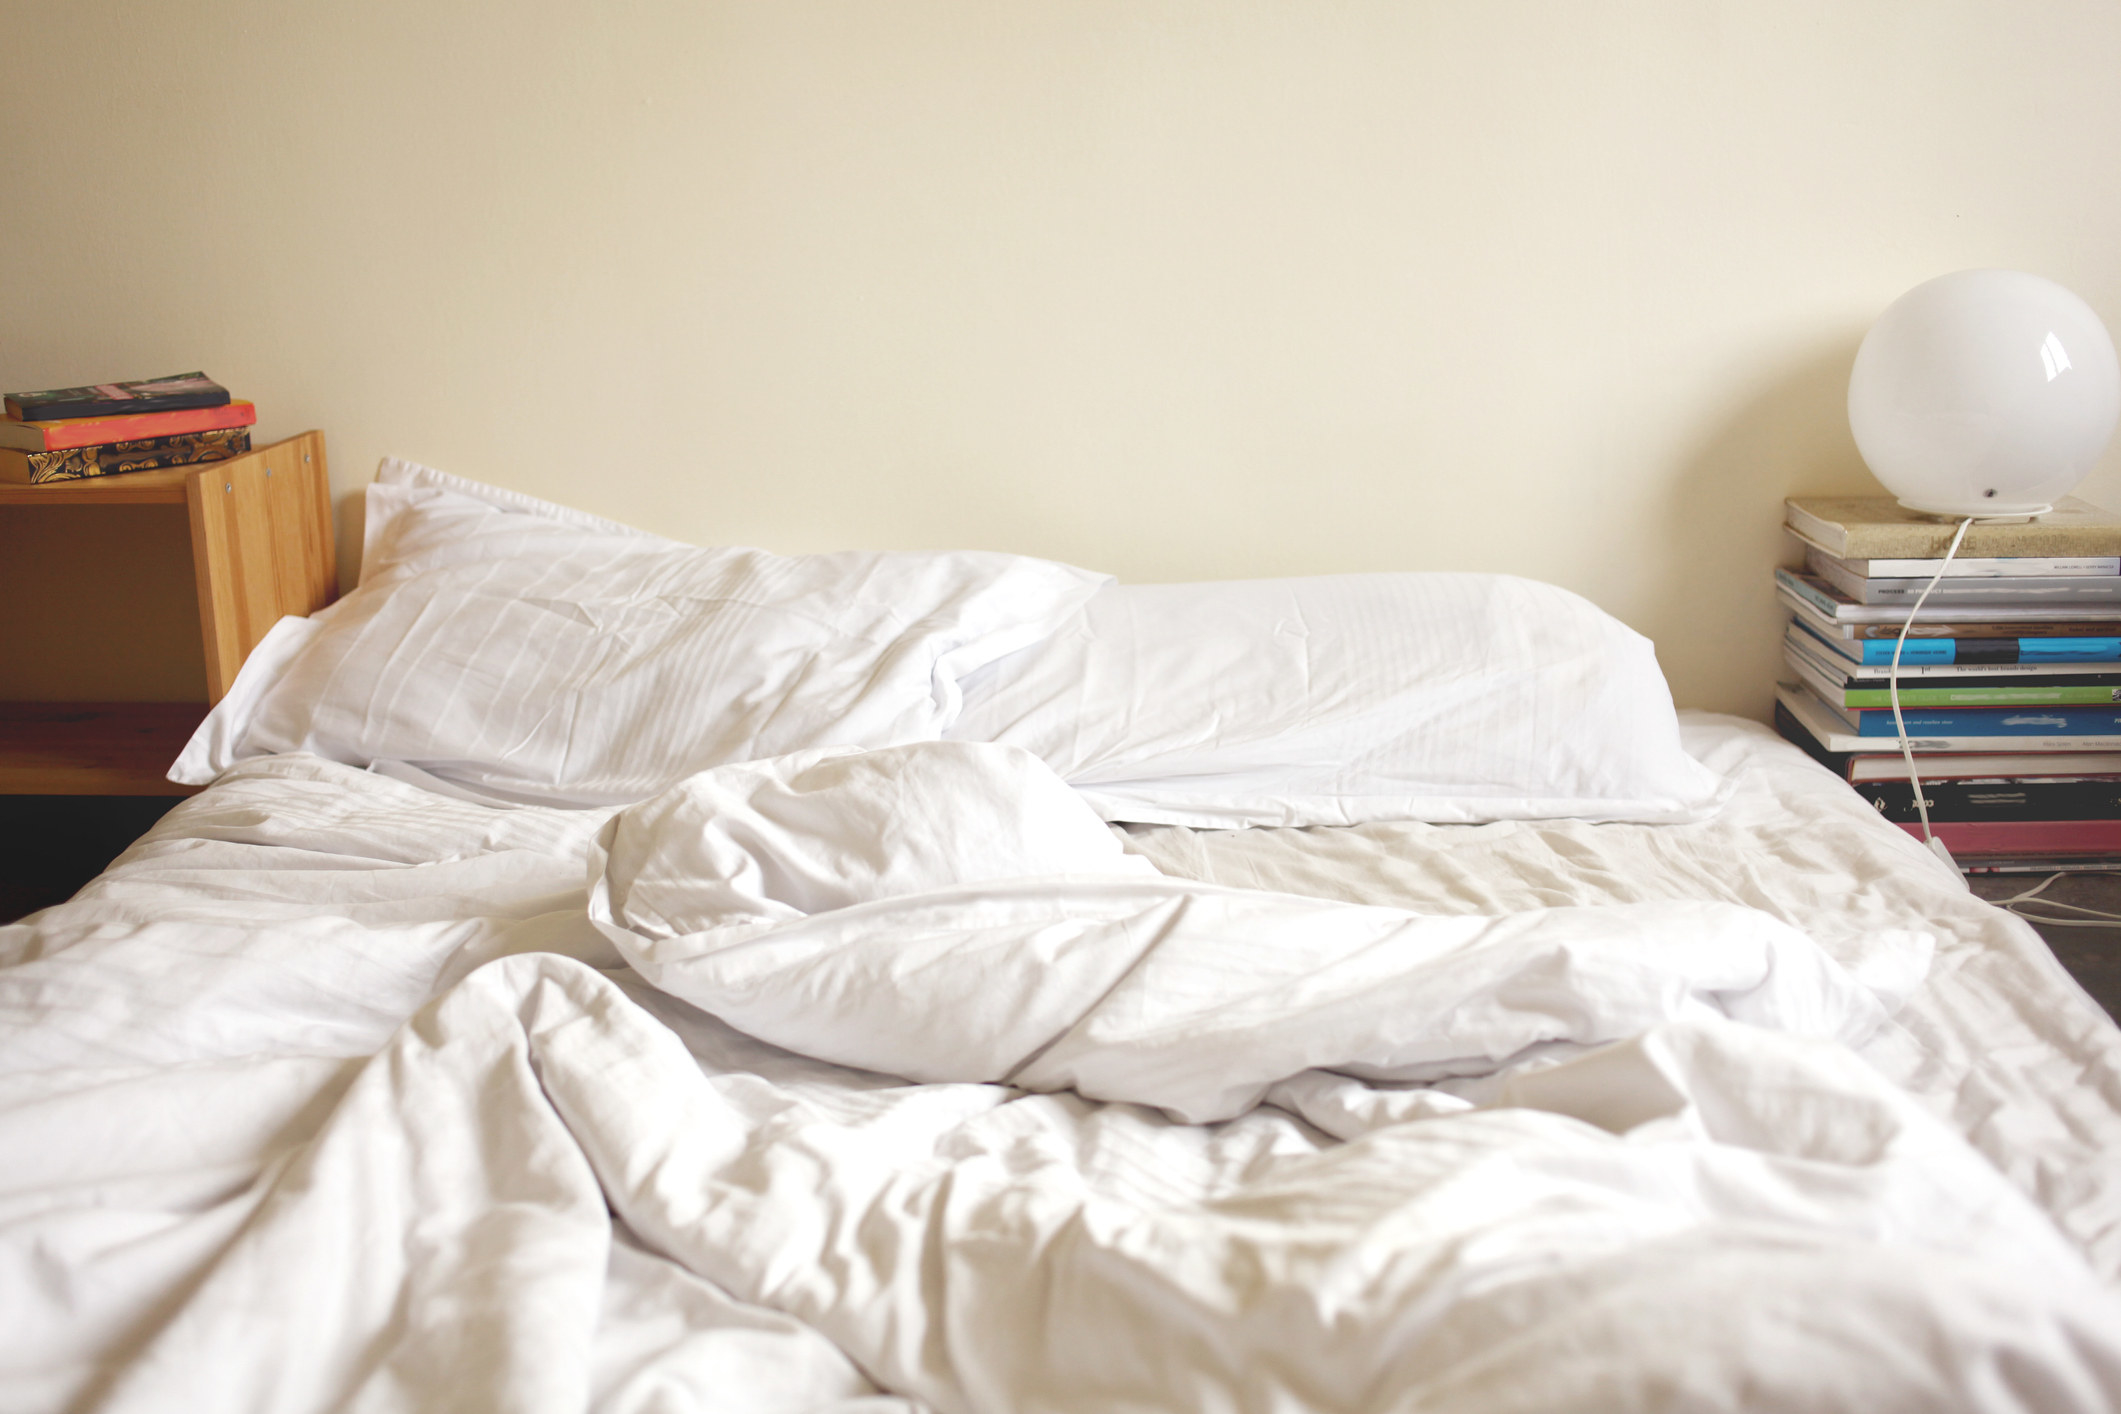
x,y
329,1093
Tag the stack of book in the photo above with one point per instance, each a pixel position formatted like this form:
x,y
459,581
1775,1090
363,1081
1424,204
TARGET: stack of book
x,y
2010,680
64,434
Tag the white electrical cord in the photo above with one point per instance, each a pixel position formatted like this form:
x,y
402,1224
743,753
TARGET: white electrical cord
x,y
2098,918
1892,687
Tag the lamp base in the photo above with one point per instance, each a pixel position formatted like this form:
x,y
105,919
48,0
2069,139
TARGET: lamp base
x,y
1985,511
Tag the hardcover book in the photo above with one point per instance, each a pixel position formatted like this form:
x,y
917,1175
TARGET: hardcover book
x,y
177,390
1848,690
2050,838
1878,527
58,436
2057,798
151,454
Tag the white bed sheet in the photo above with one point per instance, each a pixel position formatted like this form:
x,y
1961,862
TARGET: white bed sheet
x,y
2000,1039
175,1041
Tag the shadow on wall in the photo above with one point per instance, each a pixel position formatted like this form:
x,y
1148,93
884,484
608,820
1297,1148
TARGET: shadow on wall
x,y
352,526
1724,510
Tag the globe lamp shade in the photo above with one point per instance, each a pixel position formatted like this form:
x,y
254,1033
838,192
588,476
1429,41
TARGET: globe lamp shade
x,y
1984,393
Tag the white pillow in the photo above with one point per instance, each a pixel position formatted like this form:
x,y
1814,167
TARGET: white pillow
x,y
534,653
1338,700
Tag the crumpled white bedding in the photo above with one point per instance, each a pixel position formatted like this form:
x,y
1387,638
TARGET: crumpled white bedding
x,y
1000,934
237,1178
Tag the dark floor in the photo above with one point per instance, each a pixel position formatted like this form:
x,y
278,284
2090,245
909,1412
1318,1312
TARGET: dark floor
x,y
50,845
2092,955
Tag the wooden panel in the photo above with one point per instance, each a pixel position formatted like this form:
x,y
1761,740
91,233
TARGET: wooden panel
x,y
102,604
261,547
93,748
301,514
166,486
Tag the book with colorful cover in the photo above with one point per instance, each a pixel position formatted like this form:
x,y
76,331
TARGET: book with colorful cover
x,y
1881,761
1842,691
1837,735
1977,592
61,435
1950,683
166,394
1970,654
1980,721
1832,657
1879,527
77,463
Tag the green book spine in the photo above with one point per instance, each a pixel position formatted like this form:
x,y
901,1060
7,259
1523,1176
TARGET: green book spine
x,y
1982,696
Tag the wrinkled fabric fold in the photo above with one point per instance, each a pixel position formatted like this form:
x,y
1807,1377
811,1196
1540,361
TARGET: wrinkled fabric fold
x,y
1102,977
1477,1261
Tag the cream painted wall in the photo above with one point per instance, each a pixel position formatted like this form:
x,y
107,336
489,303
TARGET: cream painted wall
x,y
1177,290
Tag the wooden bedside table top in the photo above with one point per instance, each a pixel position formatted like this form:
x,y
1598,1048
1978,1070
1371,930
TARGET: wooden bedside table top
x,y
94,748
133,488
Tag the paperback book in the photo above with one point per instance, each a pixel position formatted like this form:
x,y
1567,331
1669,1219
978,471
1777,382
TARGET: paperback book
x,y
51,436
1876,761
177,390
2013,683
1879,527
1994,589
1967,567
1932,722
1967,654
151,454
1842,690
1835,733
1834,611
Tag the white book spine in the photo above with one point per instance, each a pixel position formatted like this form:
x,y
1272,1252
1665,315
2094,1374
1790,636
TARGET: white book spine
x,y
1845,613
2079,589
2084,567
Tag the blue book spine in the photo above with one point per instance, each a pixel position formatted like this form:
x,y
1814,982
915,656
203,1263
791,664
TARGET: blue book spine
x,y
1879,651
1994,721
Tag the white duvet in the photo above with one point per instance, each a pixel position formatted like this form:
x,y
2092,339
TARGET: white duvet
x,y
332,1094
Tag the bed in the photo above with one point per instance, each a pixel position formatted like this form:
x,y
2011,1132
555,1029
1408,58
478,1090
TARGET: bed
x,y
888,1033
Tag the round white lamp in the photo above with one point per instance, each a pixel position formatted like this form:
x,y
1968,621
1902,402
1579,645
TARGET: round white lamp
x,y
1984,393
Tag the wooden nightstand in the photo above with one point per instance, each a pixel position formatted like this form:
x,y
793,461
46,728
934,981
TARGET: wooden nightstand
x,y
261,547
